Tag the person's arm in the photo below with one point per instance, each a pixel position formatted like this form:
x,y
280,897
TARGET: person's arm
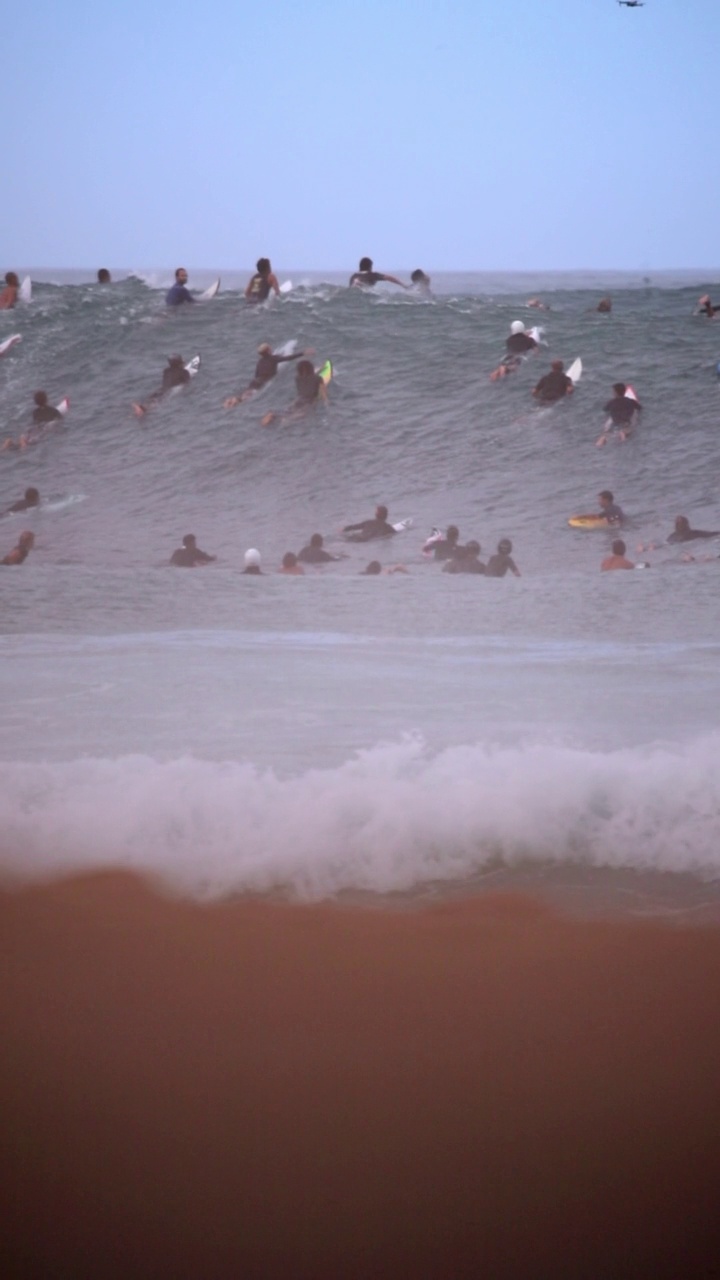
x,y
513,567
394,280
273,282
322,390
248,287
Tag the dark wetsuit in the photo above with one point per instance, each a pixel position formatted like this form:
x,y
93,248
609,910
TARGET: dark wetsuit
x,y
188,557
259,289
553,387
177,295
267,367
464,564
613,513
174,376
366,530
622,410
44,414
315,555
24,504
307,387
445,550
499,564
689,535
518,343
368,278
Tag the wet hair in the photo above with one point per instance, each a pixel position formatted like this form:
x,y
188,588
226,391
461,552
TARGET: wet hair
x,y
316,540
619,547
373,568
505,546
32,495
366,264
682,523
557,365
263,266
264,349
40,398
175,360
178,270
606,494
289,560
619,388
12,279
305,366
472,547
189,540
452,533
419,277
103,276
381,513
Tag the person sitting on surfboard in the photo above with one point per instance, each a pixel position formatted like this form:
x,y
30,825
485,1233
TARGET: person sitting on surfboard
x,y
555,385
179,293
517,345
189,554
683,533
315,553
9,295
31,499
258,288
265,370
467,562
44,412
21,550
366,530
367,277
499,564
704,307
618,559
622,413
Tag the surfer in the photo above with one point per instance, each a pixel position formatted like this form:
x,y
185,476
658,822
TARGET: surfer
x,y
315,553
622,413
103,276
368,278
366,530
174,375
9,295
252,562
420,281
618,559
555,385
518,345
468,561
536,302
31,499
704,306
265,370
258,288
21,550
683,533
609,509
44,413
189,554
499,564
444,548
179,293
374,568
290,564
604,306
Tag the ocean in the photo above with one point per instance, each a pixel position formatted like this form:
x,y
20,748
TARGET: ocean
x,y
335,736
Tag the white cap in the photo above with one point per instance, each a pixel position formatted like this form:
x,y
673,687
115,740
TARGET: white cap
x,y
252,557
517,326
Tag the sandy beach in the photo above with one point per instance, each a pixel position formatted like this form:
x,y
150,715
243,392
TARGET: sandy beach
x,y
485,1087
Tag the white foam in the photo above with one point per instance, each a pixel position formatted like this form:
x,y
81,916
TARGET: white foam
x,y
391,818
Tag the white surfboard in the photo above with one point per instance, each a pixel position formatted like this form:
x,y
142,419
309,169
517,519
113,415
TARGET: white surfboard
x,y
192,367
63,406
10,342
210,291
286,286
401,525
574,373
25,290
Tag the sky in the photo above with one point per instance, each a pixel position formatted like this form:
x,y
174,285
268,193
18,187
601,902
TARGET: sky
x,y
447,134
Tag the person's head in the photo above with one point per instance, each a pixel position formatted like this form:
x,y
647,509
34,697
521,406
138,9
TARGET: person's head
x,y
289,560
304,367
12,279
264,349
452,533
252,558
702,302
381,513
472,548
557,366
103,276
605,498
366,264
316,540
181,276
373,568
40,399
517,326
176,362
189,541
682,524
32,497
419,277
619,547
504,546
619,388
26,539
262,266
604,304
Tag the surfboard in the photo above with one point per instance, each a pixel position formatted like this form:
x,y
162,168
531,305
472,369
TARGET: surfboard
x,y
63,406
574,373
286,286
401,525
590,522
210,291
10,342
192,367
326,372
25,290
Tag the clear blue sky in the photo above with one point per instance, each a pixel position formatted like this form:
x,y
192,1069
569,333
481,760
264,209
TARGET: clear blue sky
x,y
451,134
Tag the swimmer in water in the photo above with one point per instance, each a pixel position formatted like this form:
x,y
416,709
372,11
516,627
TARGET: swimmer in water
x,y
468,562
502,562
44,413
420,282
265,370
264,281
366,530
21,550
290,564
189,554
618,559
31,499
103,276
444,548
367,278
315,553
683,533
